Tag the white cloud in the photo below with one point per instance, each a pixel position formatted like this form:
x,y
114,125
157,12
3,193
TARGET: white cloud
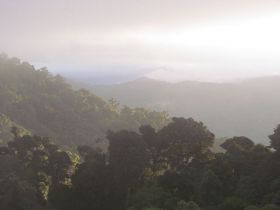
x,y
194,39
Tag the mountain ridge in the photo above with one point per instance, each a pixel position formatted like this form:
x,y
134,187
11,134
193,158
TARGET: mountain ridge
x,y
240,106
48,105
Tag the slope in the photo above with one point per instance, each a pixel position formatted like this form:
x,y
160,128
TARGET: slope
x,y
249,108
48,106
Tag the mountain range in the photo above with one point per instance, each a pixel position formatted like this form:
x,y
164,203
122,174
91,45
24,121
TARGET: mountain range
x,y
246,108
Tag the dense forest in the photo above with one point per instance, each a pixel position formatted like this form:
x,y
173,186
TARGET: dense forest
x,y
169,169
47,105
67,149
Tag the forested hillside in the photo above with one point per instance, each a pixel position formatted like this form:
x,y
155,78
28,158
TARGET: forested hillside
x,y
5,129
248,108
151,162
169,169
46,105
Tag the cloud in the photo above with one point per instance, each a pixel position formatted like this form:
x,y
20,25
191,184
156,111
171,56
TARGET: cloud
x,y
199,39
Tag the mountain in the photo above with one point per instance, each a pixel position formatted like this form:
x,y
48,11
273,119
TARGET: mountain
x,y
247,108
47,105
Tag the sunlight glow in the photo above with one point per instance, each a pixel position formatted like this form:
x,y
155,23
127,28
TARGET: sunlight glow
x,y
259,35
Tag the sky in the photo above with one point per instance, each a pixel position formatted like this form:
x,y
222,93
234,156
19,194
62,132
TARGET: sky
x,y
171,40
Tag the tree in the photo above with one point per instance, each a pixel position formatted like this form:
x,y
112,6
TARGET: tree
x,y
275,139
151,197
32,169
183,205
114,105
180,185
232,203
184,139
47,105
210,189
237,143
128,159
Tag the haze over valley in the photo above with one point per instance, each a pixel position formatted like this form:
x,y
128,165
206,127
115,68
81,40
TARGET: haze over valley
x,y
245,108
139,105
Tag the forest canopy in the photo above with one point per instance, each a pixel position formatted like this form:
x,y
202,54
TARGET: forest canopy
x,y
169,169
51,159
47,105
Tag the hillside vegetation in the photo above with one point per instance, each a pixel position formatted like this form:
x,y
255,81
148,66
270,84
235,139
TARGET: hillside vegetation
x,y
47,105
150,162
169,169
6,124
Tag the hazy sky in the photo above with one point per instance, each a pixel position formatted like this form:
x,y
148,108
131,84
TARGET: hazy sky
x,y
172,40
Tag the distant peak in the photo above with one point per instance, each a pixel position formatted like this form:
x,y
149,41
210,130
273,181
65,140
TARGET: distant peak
x,y
146,80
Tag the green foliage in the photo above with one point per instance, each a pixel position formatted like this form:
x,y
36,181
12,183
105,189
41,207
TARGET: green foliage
x,y
153,209
127,155
152,197
266,207
237,143
275,139
184,139
210,188
161,167
48,106
270,207
232,203
31,167
137,172
5,129
252,208
183,205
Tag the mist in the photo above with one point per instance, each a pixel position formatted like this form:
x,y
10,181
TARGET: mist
x,y
139,105
198,40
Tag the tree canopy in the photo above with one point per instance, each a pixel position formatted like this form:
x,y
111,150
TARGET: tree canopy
x,y
137,173
47,105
